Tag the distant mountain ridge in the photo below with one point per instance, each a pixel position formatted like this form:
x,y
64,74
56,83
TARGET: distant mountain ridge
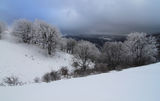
x,y
98,39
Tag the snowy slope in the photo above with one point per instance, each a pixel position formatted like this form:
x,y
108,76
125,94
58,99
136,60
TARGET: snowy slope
x,y
27,61
135,84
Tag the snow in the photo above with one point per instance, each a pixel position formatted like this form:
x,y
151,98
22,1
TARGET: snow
x,y
135,84
28,61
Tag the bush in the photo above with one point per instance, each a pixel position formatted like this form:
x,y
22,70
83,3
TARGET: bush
x,y
52,76
75,64
2,84
64,72
80,72
101,67
46,77
55,76
37,80
12,81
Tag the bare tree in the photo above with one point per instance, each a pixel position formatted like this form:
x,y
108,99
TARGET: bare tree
x,y
140,49
47,36
85,52
112,53
22,29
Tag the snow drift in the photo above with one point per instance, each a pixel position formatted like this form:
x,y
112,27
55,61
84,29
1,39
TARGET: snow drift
x,y
135,84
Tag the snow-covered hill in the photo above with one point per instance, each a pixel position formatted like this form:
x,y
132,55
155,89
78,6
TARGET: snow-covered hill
x,y
27,61
135,84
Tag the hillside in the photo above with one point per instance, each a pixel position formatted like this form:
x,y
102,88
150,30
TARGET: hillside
x,y
28,61
135,84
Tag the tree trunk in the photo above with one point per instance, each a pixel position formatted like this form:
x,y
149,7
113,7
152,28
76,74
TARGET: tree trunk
x,y
49,49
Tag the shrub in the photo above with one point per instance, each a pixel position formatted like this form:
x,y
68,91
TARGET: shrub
x,y
75,64
52,76
46,77
12,81
101,67
80,72
37,80
2,84
64,72
55,76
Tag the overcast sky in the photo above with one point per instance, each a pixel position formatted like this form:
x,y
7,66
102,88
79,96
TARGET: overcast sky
x,y
87,16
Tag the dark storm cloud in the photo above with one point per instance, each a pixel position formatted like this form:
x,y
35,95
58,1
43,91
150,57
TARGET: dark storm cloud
x,y
88,16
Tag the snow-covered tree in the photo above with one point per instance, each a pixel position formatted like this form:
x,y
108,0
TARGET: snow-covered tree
x,y
67,45
112,53
47,35
85,53
71,43
63,44
140,49
22,29
2,28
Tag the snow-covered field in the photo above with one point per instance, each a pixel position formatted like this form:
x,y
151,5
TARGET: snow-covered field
x,y
135,84
27,61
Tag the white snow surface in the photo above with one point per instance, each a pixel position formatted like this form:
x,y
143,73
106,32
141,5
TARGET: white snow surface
x,y
135,84
27,61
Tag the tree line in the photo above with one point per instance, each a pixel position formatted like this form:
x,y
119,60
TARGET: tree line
x,y
138,49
